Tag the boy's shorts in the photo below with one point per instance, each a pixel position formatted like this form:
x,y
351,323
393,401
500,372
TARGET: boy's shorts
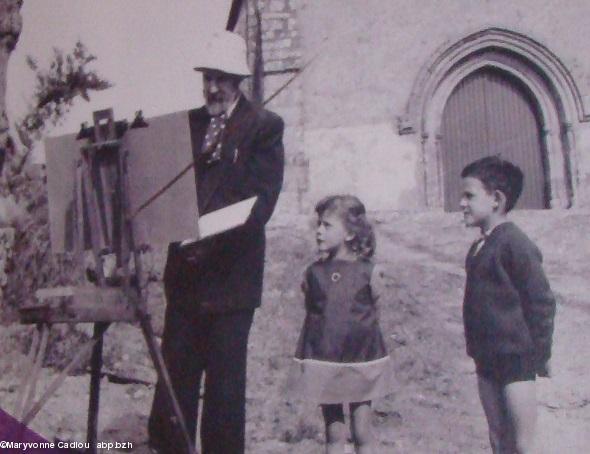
x,y
506,369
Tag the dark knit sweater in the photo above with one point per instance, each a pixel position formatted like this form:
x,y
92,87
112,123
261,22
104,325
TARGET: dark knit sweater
x,y
508,306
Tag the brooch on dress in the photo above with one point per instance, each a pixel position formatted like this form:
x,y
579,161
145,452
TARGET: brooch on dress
x,y
335,276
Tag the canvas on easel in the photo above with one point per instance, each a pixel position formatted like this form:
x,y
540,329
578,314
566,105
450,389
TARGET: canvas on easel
x,y
155,154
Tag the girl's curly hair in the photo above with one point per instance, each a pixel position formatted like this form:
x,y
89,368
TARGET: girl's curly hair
x,y
353,213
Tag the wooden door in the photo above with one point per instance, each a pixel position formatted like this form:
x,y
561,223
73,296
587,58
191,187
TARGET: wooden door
x,y
491,112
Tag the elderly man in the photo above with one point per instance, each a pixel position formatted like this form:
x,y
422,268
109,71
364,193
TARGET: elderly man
x,y
213,287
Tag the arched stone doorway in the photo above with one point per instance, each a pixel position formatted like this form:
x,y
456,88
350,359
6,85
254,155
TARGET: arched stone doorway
x,y
540,77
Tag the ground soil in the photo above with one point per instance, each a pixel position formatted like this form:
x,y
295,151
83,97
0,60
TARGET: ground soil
x,y
434,406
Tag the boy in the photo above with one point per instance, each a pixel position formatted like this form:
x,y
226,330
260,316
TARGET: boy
x,y
508,309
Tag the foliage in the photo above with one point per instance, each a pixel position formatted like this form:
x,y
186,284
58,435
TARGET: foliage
x,y
67,78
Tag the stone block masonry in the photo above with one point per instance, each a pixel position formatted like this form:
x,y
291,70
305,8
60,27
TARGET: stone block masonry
x,y
282,59
375,59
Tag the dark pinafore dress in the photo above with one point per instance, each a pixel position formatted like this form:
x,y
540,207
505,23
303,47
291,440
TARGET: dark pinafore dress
x,y
341,355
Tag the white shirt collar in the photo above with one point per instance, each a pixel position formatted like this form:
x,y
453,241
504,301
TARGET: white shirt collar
x,y
484,236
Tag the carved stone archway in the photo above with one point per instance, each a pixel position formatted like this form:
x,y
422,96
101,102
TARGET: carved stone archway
x,y
560,104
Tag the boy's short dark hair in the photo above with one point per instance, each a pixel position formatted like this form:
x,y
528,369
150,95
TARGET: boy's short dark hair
x,y
497,174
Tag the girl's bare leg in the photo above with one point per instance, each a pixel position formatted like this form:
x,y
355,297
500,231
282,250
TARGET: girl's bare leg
x,y
335,428
362,428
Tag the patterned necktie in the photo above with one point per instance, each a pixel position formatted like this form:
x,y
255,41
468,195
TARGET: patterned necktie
x,y
213,138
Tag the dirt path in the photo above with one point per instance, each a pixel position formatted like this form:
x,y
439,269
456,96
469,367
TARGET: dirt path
x,y
434,407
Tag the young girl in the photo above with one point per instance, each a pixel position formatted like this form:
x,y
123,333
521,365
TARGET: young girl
x,y
341,357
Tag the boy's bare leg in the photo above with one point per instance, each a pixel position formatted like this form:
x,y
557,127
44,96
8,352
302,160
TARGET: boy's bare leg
x,y
521,410
492,400
362,429
335,428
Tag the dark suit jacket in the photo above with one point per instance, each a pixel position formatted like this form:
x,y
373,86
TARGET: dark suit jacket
x,y
224,273
508,306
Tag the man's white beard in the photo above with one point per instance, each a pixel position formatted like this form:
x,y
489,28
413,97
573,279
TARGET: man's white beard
x,y
218,107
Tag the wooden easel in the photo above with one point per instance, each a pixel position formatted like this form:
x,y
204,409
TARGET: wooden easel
x,y
102,200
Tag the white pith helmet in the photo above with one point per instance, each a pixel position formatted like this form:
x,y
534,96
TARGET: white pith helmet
x,y
225,52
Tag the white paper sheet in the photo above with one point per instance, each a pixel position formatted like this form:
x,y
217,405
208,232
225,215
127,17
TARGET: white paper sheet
x,y
226,218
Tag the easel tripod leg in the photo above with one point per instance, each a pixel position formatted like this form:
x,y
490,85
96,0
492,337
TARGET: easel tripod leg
x,y
80,356
164,376
96,366
23,388
36,369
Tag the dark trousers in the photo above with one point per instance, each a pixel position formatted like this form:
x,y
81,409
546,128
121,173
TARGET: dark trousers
x,y
216,344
